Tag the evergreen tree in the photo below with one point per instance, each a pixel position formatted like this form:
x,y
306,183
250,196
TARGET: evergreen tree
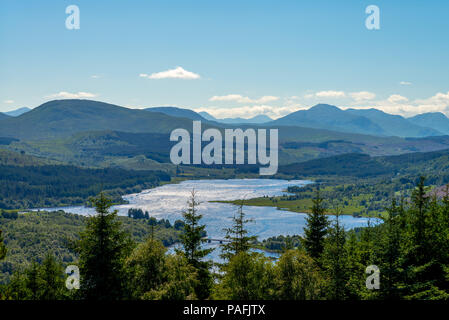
x,y
247,276
2,247
355,267
237,235
420,260
33,282
192,241
316,228
335,260
298,277
179,280
102,248
145,268
52,276
390,253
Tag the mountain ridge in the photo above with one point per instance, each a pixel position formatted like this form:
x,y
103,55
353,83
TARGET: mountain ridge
x,y
363,121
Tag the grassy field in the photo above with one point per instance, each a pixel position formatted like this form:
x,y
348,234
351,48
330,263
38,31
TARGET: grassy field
x,y
355,205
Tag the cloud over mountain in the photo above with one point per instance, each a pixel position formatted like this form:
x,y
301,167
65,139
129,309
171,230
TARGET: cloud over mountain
x,y
176,73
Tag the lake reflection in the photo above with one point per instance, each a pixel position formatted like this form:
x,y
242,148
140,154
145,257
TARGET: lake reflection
x,y
170,200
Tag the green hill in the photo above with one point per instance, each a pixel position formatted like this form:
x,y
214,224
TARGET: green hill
x,y
62,118
434,165
177,112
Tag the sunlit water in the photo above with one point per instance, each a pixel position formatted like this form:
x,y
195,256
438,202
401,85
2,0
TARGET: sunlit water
x,y
169,201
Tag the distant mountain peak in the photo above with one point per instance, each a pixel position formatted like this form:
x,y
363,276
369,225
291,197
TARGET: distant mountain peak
x,y
177,112
17,112
326,107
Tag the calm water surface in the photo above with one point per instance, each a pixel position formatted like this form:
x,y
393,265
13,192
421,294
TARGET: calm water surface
x,y
170,200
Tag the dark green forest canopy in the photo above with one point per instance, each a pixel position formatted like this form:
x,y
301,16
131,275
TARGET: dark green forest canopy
x,y
30,236
23,187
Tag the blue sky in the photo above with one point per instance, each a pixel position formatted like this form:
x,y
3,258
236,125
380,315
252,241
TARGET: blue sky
x,y
238,58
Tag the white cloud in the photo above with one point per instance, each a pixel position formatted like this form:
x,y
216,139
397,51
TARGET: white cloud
x,y
397,104
95,76
362,95
177,73
405,83
330,94
396,98
241,99
250,111
326,94
8,101
68,95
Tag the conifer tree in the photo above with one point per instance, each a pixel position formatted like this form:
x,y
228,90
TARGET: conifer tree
x,y
237,235
192,241
145,268
335,260
316,228
52,276
2,247
102,248
390,252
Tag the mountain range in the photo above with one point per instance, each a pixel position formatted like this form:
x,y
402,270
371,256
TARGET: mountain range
x,y
436,120
17,112
62,118
4,116
254,120
363,121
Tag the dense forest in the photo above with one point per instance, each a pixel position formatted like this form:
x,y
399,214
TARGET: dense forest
x,y
23,187
409,252
30,236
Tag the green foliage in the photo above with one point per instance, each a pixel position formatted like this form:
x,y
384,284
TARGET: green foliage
x,y
247,276
238,240
411,249
60,185
34,234
145,268
103,248
43,281
180,281
335,260
3,249
316,228
298,277
280,243
192,241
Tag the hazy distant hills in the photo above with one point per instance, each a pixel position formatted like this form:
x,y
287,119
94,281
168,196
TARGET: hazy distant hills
x,y
62,118
204,116
395,125
255,120
101,134
363,121
435,120
17,112
324,116
177,112
4,116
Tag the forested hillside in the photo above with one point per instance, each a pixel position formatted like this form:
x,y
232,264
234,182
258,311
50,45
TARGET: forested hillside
x,y
29,237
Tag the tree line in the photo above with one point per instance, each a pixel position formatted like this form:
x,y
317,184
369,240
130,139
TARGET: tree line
x,y
410,248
